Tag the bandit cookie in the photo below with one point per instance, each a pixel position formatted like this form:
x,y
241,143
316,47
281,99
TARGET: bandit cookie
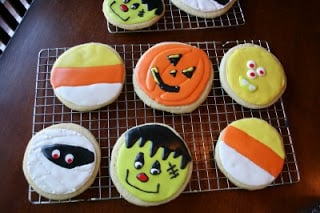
x,y
150,164
204,8
133,14
250,153
88,76
252,76
173,77
61,161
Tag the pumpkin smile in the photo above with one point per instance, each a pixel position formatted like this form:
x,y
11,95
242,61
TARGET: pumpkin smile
x,y
157,78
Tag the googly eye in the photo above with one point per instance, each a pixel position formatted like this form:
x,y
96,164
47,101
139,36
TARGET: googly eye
x,y
261,71
251,64
155,171
251,74
55,154
138,165
69,158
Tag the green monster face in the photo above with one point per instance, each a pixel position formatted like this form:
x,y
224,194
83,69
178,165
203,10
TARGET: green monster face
x,y
153,171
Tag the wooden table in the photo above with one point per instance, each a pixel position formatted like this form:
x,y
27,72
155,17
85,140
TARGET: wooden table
x,y
293,33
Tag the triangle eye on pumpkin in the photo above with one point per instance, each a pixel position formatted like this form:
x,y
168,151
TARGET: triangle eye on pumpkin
x,y
174,59
189,71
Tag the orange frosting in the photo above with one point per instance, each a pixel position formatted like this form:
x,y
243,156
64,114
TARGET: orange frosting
x,y
190,88
80,76
253,149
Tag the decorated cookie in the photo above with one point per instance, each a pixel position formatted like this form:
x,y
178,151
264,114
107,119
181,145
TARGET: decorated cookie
x,y
250,153
204,8
133,14
173,77
252,76
150,164
61,161
88,76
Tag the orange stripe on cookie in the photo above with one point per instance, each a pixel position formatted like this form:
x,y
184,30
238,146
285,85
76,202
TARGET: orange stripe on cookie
x,y
253,149
80,76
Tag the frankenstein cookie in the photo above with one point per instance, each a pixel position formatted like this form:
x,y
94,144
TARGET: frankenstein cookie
x,y
173,77
88,76
133,14
150,164
61,161
252,76
204,8
250,153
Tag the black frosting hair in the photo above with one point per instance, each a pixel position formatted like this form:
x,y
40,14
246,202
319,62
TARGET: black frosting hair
x,y
160,137
154,4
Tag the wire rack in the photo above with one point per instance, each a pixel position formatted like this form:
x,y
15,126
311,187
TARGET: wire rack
x,y
176,19
200,129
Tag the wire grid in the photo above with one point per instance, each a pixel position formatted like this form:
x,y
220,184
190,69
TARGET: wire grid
x,y
200,129
176,19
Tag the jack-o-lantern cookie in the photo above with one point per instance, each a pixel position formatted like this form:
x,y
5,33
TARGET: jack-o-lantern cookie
x,y
150,164
88,76
173,77
204,8
61,161
250,153
133,14
252,76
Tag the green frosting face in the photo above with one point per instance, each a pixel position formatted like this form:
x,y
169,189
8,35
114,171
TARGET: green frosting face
x,y
134,11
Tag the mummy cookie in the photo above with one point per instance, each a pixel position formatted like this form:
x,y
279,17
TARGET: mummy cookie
x,y
88,76
133,14
250,153
252,76
61,161
173,77
150,164
204,8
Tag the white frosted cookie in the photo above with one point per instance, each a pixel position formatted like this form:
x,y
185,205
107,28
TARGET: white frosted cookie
x,y
204,8
61,161
173,77
150,164
250,153
133,14
252,76
88,76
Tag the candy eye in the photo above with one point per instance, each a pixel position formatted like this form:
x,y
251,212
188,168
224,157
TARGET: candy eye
x,y
139,162
251,74
155,169
251,64
69,158
135,6
260,71
55,154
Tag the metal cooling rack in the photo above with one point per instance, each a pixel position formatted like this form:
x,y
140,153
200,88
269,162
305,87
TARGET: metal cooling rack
x,y
200,129
175,19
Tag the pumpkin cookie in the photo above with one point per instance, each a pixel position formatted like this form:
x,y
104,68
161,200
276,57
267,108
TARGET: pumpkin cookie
x,y
173,77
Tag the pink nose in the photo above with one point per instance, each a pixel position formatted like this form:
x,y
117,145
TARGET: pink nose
x,y
142,177
124,8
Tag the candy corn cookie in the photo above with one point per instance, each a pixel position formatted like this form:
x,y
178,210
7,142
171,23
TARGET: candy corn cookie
x,y
173,77
88,76
252,76
250,153
61,161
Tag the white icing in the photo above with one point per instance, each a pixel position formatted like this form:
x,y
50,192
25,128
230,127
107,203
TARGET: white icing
x,y
204,5
89,95
241,168
50,177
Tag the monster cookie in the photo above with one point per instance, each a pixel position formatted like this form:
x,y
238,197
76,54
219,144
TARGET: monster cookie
x,y
250,153
88,76
150,164
61,161
133,14
173,77
204,8
252,76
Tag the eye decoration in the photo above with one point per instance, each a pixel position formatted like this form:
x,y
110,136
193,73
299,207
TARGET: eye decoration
x,y
251,74
188,72
251,64
261,71
173,73
55,154
135,6
139,162
155,169
69,158
125,1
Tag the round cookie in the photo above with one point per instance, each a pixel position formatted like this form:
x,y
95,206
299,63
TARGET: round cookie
x,y
250,153
61,161
204,8
252,76
133,14
150,164
88,76
173,77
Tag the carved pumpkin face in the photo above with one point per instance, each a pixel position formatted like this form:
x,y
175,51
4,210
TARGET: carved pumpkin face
x,y
174,74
